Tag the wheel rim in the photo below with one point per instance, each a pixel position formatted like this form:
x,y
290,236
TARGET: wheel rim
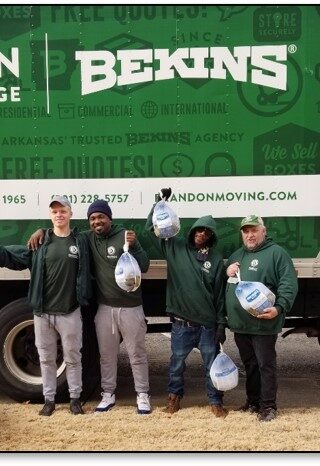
x,y
21,356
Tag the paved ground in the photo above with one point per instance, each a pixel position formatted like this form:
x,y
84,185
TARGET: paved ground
x,y
298,371
298,362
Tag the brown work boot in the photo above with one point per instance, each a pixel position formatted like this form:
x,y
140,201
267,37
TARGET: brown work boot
x,y
173,404
219,411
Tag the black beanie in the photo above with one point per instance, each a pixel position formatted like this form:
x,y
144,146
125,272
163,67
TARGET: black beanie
x,y
100,206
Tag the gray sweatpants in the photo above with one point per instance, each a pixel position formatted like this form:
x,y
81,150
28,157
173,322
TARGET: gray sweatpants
x,y
111,323
47,328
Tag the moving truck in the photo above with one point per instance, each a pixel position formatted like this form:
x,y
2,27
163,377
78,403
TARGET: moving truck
x,y
221,103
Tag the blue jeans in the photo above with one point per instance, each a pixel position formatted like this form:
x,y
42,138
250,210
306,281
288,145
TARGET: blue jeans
x,y
183,340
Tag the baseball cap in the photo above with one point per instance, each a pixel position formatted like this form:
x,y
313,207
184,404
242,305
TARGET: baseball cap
x,y
61,200
251,220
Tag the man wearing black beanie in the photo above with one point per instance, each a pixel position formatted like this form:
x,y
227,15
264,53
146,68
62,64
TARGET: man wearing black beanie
x,y
120,314
100,206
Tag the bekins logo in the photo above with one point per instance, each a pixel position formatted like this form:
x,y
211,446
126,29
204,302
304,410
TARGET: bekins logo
x,y
136,66
98,73
73,252
206,267
111,250
145,138
254,264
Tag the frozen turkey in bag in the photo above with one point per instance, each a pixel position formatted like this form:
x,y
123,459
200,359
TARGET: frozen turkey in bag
x,y
166,223
127,272
254,297
223,372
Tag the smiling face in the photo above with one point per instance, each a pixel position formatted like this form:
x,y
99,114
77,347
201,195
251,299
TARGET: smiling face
x,y
201,237
60,215
253,236
100,223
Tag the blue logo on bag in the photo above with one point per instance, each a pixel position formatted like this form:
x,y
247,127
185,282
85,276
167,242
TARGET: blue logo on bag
x,y
252,296
225,372
162,215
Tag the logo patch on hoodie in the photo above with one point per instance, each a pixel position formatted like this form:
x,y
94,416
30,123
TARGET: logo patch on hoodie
x,y
206,266
254,264
111,252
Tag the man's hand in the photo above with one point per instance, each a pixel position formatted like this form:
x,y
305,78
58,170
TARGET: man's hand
x,y
35,240
269,313
233,269
130,237
220,336
165,193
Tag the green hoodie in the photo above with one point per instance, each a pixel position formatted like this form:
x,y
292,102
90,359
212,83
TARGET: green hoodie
x,y
195,289
271,265
106,251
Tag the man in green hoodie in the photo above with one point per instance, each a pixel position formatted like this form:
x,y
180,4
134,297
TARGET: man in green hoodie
x,y
120,314
195,304
260,260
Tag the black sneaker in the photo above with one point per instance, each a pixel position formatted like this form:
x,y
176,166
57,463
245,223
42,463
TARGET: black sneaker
x,y
47,408
267,414
249,408
75,406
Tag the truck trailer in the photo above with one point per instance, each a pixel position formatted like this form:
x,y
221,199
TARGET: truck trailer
x,y
114,102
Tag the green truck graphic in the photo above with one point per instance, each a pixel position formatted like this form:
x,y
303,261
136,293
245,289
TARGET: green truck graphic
x,y
221,103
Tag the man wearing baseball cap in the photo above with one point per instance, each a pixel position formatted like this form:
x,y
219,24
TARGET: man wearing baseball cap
x,y
59,284
260,259
120,314
251,220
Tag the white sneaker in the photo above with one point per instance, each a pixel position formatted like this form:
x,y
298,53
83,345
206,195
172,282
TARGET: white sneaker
x,y
108,401
143,403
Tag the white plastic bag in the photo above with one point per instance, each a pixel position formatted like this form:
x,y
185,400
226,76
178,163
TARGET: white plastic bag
x,y
223,372
127,272
254,297
166,223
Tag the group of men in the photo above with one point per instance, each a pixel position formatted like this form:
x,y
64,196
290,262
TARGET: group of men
x,y
69,268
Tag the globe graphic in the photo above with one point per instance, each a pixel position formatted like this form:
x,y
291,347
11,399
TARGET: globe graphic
x,y
149,109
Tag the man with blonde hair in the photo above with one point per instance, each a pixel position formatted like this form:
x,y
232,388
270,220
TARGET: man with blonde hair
x,y
60,282
120,314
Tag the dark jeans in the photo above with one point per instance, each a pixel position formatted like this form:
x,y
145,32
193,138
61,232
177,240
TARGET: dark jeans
x,y
259,357
183,340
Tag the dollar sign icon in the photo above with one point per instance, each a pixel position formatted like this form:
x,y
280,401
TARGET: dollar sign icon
x,y
177,165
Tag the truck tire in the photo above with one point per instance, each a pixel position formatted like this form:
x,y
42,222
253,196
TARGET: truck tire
x,y
20,375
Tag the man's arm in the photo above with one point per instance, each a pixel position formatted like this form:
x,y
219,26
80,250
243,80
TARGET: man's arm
x,y
149,224
287,288
288,284
15,257
218,286
36,239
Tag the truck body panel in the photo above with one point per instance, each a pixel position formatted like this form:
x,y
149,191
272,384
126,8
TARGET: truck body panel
x,y
221,103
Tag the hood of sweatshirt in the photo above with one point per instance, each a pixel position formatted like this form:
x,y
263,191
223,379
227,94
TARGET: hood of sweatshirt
x,y
204,222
